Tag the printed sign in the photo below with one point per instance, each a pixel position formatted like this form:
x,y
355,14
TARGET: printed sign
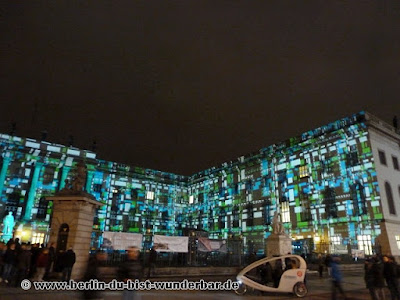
x,y
121,240
357,253
163,243
207,245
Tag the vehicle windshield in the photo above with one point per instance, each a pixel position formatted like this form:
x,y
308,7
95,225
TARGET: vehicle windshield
x,y
270,273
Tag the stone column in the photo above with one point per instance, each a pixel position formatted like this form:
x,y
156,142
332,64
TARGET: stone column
x,y
32,191
78,213
3,172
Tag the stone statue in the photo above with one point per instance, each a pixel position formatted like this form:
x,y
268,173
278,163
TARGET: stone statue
x,y
8,223
278,243
67,184
277,226
80,177
77,184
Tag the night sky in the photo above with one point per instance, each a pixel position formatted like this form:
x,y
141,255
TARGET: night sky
x,y
181,86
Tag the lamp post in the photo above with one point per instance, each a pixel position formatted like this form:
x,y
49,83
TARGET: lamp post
x,y
146,244
241,249
192,248
147,239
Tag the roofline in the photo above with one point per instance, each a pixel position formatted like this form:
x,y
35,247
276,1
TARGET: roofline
x,y
359,117
382,126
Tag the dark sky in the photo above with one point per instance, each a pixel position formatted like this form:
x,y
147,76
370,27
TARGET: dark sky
x,y
181,86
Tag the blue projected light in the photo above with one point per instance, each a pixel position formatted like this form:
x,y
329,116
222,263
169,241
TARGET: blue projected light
x,y
310,179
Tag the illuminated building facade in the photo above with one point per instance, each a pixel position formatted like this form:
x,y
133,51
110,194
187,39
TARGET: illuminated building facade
x,y
336,187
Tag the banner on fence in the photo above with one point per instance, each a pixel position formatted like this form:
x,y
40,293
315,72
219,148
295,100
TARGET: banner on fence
x,y
357,253
162,243
207,245
121,240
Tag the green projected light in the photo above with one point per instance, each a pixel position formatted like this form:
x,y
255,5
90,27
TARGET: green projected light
x,y
322,182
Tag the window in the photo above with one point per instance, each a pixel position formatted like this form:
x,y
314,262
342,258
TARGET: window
x,y
364,243
235,215
352,158
150,195
398,241
249,185
201,198
335,240
303,171
97,188
200,221
163,199
285,212
305,207
221,219
358,199
191,199
330,202
395,163
165,215
281,176
236,189
389,197
267,207
37,238
250,215
42,209
382,157
48,175
13,202
327,165
17,170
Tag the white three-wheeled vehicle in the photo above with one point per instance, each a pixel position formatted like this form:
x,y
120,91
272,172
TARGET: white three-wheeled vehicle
x,y
283,274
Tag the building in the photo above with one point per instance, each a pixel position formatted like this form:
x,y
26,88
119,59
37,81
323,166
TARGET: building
x,y
336,187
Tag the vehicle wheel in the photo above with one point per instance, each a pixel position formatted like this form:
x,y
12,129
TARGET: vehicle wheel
x,y
241,290
300,289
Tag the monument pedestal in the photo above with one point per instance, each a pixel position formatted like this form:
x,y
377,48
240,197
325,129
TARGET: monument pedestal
x,y
72,226
278,244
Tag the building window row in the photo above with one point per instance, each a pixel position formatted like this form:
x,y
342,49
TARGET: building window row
x,y
285,212
364,243
303,171
382,160
398,241
389,198
395,163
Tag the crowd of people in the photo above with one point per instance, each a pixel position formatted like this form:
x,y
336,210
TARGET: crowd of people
x,y
381,272
381,277
33,261
378,271
130,269
39,263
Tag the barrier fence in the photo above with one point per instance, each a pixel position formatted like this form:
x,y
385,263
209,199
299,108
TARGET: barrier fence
x,y
215,259
210,259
